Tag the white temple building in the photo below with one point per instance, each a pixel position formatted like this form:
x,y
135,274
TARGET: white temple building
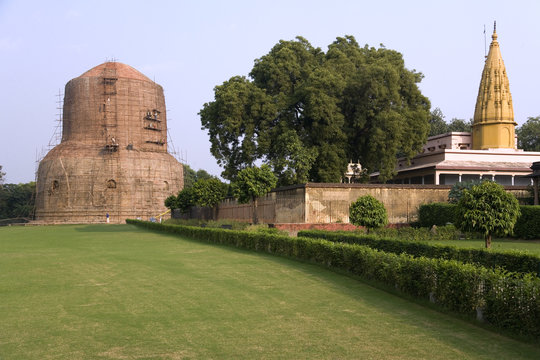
x,y
489,152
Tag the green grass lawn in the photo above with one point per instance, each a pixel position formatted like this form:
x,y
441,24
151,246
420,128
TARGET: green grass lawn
x,y
532,246
120,292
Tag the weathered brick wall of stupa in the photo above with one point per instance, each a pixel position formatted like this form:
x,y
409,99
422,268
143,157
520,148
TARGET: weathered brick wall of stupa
x,y
113,156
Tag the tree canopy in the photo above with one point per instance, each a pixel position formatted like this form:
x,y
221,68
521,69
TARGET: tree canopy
x,y
439,126
205,192
305,112
251,183
209,192
191,176
529,134
369,212
17,200
488,209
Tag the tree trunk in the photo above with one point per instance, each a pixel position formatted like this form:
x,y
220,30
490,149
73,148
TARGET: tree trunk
x,y
255,215
488,241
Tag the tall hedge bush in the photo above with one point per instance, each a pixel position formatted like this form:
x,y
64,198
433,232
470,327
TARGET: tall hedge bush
x,y
528,224
436,214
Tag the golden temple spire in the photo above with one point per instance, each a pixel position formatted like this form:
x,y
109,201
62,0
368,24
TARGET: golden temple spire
x,y
494,125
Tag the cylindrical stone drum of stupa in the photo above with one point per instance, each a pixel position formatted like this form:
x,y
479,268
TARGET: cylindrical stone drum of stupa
x,y
113,155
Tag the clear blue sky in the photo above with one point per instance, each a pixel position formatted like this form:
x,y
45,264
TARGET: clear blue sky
x,y
189,47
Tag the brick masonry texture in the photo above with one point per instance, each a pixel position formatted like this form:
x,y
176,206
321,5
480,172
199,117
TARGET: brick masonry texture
x,y
113,156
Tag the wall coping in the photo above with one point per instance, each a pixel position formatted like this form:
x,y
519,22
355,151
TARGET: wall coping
x,y
375,186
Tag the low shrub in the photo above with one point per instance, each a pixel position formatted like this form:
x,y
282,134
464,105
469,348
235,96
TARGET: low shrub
x,y
507,302
230,224
448,232
528,224
515,261
436,214
264,229
513,304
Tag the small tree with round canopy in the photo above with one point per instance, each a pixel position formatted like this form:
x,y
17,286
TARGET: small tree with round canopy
x,y
488,209
251,183
369,212
209,192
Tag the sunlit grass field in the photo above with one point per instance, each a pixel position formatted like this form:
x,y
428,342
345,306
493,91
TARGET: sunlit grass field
x,y
119,292
532,246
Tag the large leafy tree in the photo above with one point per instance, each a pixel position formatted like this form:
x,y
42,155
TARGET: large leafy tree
x,y
385,112
209,193
252,183
437,125
305,112
185,200
488,209
529,134
460,125
191,176
17,200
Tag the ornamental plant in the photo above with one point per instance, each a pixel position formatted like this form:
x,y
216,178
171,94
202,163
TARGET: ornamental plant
x,y
487,209
185,200
170,202
369,212
252,183
209,193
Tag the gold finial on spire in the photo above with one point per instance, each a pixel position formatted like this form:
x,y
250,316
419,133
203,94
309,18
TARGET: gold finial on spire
x,y
494,36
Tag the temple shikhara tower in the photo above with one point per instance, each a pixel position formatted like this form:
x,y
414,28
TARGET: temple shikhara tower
x,y
113,155
488,152
494,125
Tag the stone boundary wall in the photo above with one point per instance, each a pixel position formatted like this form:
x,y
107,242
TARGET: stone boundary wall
x,y
321,203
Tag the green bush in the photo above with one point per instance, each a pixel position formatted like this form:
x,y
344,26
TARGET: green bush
x,y
232,224
508,302
448,232
513,304
369,212
515,261
488,209
436,214
528,224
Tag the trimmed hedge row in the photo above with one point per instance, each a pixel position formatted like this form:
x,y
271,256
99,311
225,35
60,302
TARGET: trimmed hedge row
x,y
409,233
515,261
506,302
527,225
438,214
